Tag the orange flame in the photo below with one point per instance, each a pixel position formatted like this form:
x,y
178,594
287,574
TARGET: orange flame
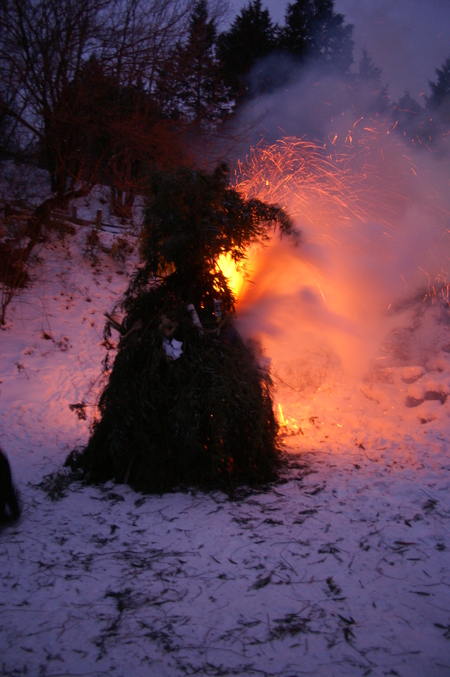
x,y
235,276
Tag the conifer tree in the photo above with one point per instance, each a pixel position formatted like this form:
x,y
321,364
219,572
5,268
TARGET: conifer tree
x,y
411,122
252,36
367,70
190,85
368,80
313,30
439,101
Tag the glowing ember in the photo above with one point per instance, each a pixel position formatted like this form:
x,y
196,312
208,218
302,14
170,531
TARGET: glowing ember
x,y
288,426
291,172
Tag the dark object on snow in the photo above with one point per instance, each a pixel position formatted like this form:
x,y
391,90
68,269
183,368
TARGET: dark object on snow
x,y
8,496
187,403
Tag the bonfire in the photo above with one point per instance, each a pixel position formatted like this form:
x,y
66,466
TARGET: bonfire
x,y
187,402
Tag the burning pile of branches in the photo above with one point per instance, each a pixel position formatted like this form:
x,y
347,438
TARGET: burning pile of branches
x,y
187,403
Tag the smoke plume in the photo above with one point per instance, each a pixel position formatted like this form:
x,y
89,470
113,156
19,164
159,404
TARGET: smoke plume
x,y
374,215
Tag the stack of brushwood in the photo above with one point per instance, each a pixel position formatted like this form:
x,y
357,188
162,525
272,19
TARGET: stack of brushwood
x,y
187,403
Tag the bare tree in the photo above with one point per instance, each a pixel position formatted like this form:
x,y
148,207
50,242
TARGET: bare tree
x,y
85,130
139,36
46,44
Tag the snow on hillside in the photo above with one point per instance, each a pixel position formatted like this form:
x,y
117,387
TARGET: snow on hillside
x,y
343,568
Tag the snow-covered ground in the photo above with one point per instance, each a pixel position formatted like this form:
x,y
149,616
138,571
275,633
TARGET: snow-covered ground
x,y
341,569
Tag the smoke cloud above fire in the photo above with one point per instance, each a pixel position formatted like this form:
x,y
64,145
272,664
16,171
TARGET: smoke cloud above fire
x,y
407,39
374,214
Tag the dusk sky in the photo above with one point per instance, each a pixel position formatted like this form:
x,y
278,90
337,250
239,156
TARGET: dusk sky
x,y
407,39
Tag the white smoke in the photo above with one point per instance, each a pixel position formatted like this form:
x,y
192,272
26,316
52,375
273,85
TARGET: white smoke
x,y
337,292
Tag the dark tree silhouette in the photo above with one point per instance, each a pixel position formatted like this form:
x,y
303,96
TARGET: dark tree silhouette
x,y
252,36
439,101
368,81
190,86
367,70
412,122
313,30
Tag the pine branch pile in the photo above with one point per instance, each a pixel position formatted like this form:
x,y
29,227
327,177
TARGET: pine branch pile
x,y
198,412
